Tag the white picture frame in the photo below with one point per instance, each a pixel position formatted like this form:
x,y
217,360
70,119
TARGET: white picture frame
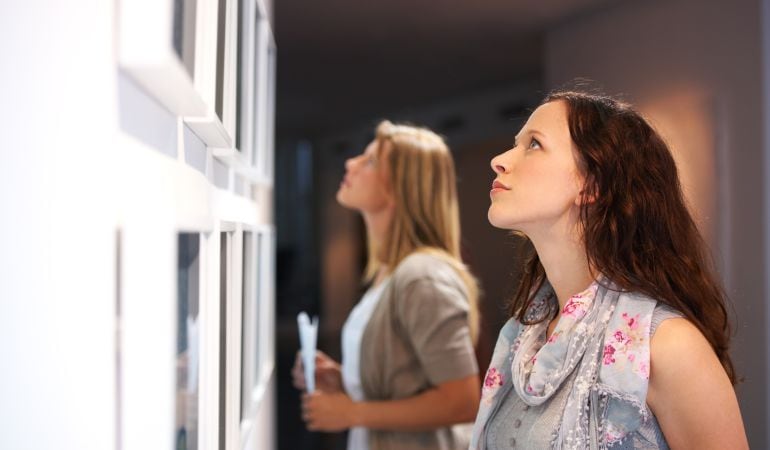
x,y
267,306
231,310
158,47
265,165
265,74
151,217
258,325
250,318
253,157
239,155
215,77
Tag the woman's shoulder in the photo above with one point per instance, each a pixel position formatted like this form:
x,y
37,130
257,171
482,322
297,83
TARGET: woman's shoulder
x,y
425,265
661,311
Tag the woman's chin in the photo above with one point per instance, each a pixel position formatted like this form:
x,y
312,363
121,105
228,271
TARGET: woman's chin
x,y
494,218
341,197
343,200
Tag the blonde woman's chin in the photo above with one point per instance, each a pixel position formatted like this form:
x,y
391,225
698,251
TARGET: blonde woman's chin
x,y
341,196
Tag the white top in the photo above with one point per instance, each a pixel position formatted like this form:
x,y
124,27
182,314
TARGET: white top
x,y
352,332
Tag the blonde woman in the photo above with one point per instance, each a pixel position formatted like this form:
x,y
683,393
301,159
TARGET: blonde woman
x,y
408,369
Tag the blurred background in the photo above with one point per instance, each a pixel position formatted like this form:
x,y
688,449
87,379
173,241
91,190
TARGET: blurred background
x,y
473,71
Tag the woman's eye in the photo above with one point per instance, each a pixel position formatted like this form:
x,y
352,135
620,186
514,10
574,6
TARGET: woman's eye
x,y
534,144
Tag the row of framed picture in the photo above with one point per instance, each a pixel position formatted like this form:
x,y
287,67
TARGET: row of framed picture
x,y
244,348
223,344
212,62
195,305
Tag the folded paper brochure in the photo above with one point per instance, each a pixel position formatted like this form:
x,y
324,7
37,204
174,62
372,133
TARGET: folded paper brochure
x,y
308,334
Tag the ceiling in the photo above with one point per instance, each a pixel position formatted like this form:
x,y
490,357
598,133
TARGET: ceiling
x,y
341,62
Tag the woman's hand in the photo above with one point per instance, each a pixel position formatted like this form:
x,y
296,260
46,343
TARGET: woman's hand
x,y
328,412
328,375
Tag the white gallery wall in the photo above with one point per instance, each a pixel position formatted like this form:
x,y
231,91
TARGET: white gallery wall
x,y
695,69
137,241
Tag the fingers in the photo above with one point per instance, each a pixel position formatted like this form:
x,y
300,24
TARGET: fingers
x,y
304,412
308,412
322,358
327,372
324,362
298,373
298,382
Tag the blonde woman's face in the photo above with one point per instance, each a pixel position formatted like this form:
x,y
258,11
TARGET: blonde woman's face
x,y
538,183
365,185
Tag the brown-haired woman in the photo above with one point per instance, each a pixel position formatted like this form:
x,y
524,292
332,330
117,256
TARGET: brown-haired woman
x,y
408,370
618,336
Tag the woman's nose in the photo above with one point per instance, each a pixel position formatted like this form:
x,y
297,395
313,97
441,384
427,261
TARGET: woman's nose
x,y
498,164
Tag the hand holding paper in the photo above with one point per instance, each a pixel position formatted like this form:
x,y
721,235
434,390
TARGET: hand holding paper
x,y
308,334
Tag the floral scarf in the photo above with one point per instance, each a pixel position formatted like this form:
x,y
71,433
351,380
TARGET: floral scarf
x,y
603,334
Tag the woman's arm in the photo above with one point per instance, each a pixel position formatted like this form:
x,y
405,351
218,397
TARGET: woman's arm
x,y
448,403
690,393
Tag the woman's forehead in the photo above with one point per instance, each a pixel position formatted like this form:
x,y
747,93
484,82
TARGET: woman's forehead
x,y
551,114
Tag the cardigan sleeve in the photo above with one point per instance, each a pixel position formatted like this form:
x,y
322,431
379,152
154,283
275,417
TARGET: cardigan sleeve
x,y
434,317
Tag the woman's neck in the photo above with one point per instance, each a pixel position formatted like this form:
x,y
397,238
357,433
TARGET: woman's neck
x,y
378,223
565,261
377,227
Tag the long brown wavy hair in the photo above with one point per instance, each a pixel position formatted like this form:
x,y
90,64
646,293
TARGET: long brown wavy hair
x,y
636,227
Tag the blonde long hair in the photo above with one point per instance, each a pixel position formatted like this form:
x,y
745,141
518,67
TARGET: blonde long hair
x,y
421,176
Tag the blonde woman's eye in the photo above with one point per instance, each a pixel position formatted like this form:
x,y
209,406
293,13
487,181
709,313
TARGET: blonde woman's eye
x,y
534,144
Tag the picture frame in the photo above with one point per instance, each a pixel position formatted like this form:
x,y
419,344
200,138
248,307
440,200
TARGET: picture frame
x,y
158,48
215,73
267,307
230,334
188,340
265,74
250,342
165,350
247,97
258,325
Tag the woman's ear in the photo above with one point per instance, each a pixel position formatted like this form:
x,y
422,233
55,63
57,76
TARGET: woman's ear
x,y
587,195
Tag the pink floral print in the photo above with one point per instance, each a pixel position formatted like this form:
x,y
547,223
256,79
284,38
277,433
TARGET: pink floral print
x,y
492,382
578,304
554,337
613,434
494,378
609,352
625,345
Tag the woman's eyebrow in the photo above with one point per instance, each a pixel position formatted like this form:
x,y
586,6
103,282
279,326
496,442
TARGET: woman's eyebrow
x,y
530,132
537,132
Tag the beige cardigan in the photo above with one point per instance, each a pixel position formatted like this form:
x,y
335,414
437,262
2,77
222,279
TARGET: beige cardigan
x,y
417,338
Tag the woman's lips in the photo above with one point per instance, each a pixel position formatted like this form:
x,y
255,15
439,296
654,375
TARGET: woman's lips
x,y
498,187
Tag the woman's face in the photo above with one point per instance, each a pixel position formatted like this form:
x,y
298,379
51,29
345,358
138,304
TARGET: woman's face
x,y
538,183
365,185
